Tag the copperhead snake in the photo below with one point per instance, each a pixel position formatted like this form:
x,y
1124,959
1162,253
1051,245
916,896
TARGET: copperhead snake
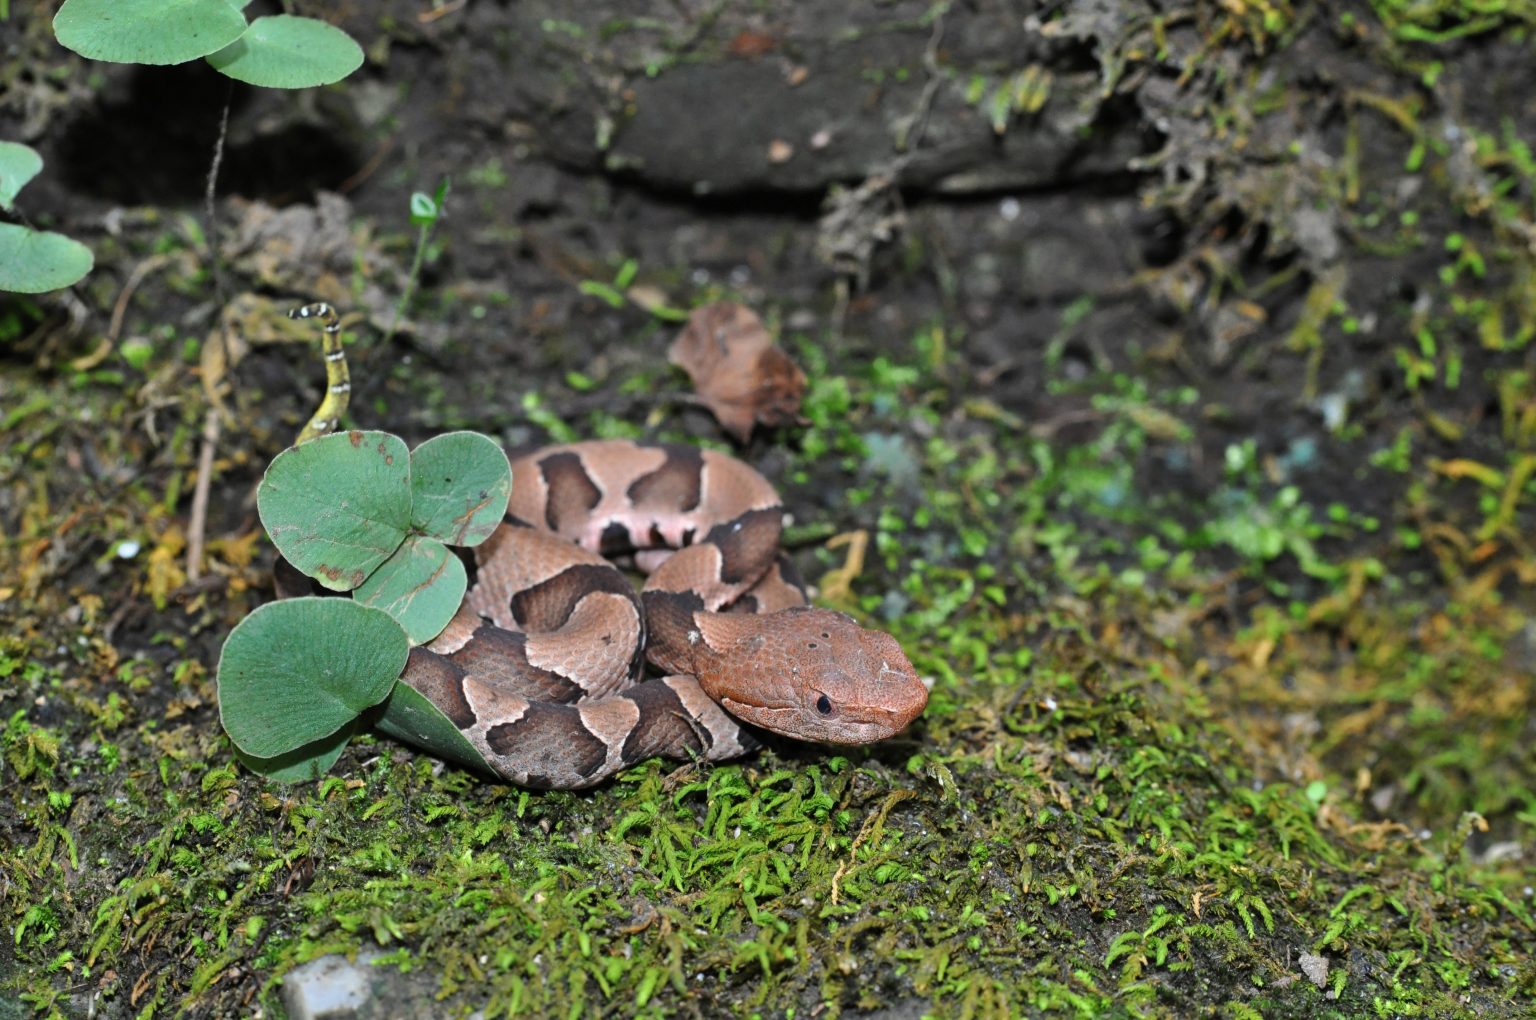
x,y
541,668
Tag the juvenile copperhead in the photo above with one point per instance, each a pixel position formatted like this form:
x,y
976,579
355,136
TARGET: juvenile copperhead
x,y
541,668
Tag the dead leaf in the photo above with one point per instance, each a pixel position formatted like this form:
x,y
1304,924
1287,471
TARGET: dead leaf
x,y
856,221
164,574
740,374
751,45
238,550
316,251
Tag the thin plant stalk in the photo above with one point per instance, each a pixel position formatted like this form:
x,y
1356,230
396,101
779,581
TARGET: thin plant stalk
x,y
426,210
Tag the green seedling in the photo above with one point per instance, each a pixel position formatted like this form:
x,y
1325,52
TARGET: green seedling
x,y
355,511
426,211
617,294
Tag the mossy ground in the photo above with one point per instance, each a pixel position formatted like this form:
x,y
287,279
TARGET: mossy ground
x,y
1232,664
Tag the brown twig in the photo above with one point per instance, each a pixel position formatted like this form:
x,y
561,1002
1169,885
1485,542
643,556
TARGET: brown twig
x,y
427,17
197,527
368,169
919,123
120,309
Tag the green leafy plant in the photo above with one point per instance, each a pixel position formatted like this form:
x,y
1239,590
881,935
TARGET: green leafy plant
x,y
280,51
357,512
33,261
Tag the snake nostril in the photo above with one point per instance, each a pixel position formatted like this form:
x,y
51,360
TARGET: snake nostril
x,y
824,705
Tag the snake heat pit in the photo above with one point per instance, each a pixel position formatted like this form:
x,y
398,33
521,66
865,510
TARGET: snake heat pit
x,y
542,667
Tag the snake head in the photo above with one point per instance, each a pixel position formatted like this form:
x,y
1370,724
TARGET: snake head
x,y
810,674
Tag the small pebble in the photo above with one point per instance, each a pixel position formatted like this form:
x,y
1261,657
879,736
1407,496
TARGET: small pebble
x,y
1315,968
330,988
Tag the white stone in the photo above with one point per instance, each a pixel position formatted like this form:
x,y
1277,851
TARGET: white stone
x,y
330,988
1315,968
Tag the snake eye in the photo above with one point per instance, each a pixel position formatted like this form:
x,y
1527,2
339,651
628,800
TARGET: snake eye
x,y
824,705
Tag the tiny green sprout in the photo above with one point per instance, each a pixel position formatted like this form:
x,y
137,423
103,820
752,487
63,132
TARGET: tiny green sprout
x,y
137,353
425,212
425,209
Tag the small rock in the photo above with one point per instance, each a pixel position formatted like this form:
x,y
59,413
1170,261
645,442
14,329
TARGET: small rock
x,y
1315,968
330,988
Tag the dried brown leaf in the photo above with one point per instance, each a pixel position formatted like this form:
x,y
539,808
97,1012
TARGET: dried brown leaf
x,y
740,374
315,251
164,574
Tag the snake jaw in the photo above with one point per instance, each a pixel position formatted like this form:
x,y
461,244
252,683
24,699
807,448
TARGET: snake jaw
x,y
796,721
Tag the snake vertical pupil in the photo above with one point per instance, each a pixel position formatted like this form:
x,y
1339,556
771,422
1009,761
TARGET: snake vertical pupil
x,y
824,705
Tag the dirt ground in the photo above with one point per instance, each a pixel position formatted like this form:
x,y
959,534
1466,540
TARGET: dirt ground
x,y
1174,361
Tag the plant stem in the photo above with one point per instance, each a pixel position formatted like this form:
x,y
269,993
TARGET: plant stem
x,y
210,215
197,526
422,235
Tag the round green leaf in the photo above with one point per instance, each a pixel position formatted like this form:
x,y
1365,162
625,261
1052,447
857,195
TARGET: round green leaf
x,y
296,671
301,764
285,52
338,506
421,586
423,210
18,165
410,717
460,484
32,261
147,31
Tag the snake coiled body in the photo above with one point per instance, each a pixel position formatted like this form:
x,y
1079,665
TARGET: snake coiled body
x,y
543,668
